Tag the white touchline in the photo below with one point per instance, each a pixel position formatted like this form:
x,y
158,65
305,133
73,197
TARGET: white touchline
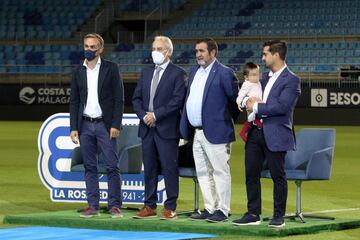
x,y
335,210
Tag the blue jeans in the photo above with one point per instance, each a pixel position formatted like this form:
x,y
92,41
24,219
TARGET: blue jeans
x,y
92,136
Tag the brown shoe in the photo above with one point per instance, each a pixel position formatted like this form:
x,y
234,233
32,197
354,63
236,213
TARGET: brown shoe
x,y
146,212
168,215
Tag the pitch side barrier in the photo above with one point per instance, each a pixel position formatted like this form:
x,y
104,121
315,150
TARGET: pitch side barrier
x,y
317,104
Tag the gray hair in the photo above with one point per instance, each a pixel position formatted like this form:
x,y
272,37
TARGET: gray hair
x,y
167,41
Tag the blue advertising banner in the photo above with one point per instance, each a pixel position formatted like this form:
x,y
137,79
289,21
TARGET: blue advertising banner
x,y
54,164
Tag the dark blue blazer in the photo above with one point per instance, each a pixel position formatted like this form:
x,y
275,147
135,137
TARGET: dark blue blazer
x,y
220,94
168,100
277,112
110,94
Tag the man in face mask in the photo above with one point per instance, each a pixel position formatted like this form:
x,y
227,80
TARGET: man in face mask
x,y
96,109
157,100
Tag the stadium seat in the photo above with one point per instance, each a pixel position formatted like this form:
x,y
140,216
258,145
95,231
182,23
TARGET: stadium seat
x,y
129,151
312,160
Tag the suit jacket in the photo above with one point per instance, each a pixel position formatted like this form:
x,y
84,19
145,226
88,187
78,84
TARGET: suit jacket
x,y
168,100
218,105
110,94
277,112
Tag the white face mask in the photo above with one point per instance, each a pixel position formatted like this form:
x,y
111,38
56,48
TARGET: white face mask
x,y
158,57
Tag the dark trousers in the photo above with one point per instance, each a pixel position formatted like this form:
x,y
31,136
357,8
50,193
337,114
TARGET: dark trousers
x,y
94,134
160,156
255,154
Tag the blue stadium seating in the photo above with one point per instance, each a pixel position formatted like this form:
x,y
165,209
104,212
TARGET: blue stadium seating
x,y
39,58
149,5
40,19
57,19
272,17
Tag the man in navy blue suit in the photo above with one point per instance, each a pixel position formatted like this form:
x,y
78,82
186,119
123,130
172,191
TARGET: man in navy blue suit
x,y
96,109
207,119
272,136
157,101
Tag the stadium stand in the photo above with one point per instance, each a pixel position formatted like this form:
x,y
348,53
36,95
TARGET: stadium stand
x,y
303,57
149,5
271,18
41,19
39,58
322,34
41,43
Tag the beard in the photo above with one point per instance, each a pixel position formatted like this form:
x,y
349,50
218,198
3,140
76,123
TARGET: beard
x,y
201,62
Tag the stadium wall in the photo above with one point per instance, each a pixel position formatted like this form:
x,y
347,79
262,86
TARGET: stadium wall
x,y
325,106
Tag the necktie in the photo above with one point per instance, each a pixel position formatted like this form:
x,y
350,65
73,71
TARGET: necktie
x,y
154,84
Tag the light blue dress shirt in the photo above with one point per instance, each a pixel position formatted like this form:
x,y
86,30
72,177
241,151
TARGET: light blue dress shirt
x,y
195,99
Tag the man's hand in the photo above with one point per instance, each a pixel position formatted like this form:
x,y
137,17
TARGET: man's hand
x,y
114,133
74,135
240,108
149,119
250,103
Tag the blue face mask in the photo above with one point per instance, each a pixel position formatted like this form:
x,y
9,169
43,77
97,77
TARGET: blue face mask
x,y
89,55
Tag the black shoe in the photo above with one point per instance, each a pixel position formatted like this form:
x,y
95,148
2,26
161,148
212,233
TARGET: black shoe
x,y
247,219
277,222
218,216
200,217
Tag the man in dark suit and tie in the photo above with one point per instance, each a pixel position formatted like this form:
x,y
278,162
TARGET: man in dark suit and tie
x,y
207,119
157,101
96,109
273,135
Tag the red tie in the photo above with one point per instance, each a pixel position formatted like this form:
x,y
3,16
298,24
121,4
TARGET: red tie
x,y
258,122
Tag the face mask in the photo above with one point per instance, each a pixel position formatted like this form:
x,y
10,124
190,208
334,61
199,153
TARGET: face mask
x,y
90,55
158,57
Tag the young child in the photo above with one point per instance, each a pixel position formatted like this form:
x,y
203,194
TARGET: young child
x,y
250,88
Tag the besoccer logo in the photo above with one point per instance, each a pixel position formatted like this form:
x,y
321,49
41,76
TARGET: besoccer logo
x,y
319,98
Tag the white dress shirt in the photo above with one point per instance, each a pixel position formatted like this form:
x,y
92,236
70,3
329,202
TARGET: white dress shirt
x,y
194,101
273,77
163,67
92,107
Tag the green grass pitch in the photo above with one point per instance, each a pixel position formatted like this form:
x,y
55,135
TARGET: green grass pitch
x,y
21,190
